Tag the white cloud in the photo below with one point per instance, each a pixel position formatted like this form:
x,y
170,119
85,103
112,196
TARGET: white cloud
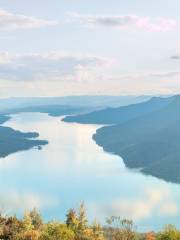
x,y
165,75
126,21
11,21
4,58
61,73
169,209
49,66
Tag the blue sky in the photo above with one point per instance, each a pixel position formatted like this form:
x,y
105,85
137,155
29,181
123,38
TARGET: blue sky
x,y
75,47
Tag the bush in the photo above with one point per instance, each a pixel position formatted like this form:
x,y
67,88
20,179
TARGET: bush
x,y
56,231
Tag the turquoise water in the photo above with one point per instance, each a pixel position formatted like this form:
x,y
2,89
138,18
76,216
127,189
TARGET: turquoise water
x,y
71,169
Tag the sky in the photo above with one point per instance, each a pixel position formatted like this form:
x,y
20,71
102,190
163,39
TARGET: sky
x,y
89,47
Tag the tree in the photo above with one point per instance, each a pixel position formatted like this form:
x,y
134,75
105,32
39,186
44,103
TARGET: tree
x,y
169,233
56,231
150,236
11,228
29,235
27,222
120,229
72,219
82,218
97,232
36,219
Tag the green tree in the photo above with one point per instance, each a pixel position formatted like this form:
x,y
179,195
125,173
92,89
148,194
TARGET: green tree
x,y
56,231
82,218
72,219
169,233
27,222
36,219
97,231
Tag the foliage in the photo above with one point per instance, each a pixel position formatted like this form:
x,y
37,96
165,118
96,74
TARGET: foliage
x,y
56,231
120,229
76,227
36,219
150,236
169,233
72,219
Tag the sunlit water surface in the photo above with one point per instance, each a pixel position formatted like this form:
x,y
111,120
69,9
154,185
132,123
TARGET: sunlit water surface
x,y
72,169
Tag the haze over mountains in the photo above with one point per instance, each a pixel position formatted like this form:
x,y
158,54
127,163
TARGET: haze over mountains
x,y
86,101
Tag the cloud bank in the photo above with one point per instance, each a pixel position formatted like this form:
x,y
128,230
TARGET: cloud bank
x,y
176,56
11,21
48,66
126,21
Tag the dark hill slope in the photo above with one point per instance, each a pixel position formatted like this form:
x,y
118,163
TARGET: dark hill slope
x,y
12,141
3,119
150,142
121,114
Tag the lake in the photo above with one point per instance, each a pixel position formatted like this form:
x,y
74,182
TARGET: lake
x,y
72,169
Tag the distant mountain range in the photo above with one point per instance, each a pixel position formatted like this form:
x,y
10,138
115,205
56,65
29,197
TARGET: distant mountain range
x,y
73,101
145,135
52,110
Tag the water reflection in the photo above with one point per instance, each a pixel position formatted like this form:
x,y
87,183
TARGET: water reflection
x,y
73,168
